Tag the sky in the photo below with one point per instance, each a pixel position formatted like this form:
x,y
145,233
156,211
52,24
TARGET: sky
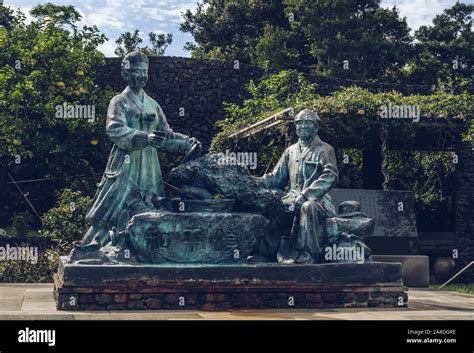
x,y
114,17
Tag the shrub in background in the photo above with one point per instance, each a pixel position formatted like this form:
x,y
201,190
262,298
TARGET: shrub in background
x,y
14,271
66,222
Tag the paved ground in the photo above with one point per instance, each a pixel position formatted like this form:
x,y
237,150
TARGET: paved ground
x,y
35,301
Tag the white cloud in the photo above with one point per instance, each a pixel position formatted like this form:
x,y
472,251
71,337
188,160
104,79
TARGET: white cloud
x,y
101,20
108,48
419,12
159,31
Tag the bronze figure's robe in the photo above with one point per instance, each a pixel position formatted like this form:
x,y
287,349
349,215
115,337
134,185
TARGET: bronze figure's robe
x,y
132,177
312,172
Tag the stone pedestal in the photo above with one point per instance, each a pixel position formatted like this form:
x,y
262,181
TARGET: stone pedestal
x,y
228,287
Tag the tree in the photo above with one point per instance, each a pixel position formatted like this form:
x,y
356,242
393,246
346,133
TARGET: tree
x,y
55,13
279,48
354,39
45,64
159,43
128,42
445,50
230,29
6,17
315,35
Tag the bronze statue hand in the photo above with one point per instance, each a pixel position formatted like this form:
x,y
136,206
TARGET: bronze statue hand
x,y
300,200
157,138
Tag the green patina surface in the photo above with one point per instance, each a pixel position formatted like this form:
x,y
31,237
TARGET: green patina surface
x,y
235,217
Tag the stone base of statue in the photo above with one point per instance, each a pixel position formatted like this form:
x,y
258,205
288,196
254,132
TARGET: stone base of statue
x,y
228,286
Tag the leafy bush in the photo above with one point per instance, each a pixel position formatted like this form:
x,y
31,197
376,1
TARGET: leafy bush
x,y
25,271
22,219
66,222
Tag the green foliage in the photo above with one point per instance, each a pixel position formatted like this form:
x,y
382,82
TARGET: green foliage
x,y
26,272
230,29
430,175
278,49
350,167
45,64
319,35
22,219
271,94
54,13
287,34
269,150
129,42
7,18
445,50
351,110
375,41
66,222
8,231
469,135
159,43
